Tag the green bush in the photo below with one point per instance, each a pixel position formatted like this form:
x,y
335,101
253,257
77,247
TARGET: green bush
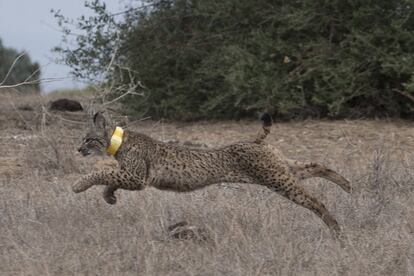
x,y
234,58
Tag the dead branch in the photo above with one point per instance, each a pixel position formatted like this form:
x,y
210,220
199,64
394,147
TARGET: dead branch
x,y
404,93
37,81
11,68
123,95
115,83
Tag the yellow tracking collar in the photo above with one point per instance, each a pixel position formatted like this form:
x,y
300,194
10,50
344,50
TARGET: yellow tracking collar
x,y
116,141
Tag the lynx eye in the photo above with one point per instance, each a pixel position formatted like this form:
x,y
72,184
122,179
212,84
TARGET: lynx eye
x,y
92,140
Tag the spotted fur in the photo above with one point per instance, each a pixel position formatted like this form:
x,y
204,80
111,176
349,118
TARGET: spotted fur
x,y
144,162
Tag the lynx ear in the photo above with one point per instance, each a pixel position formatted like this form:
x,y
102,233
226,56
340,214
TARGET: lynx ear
x,y
99,120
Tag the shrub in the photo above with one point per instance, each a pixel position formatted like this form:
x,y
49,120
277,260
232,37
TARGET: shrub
x,y
230,59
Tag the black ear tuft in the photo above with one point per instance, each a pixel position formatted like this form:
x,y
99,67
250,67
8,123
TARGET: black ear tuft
x,y
266,119
95,116
99,120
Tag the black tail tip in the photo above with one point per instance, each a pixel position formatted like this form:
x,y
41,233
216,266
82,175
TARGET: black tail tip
x,y
266,119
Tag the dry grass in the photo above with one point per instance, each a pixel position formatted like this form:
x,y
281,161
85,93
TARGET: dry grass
x,y
46,229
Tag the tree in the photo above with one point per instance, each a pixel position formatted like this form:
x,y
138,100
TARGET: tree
x,y
229,59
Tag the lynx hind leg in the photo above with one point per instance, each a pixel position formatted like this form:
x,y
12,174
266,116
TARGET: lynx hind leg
x,y
306,170
286,184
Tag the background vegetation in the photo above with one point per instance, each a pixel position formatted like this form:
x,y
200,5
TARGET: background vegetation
x,y
23,70
231,59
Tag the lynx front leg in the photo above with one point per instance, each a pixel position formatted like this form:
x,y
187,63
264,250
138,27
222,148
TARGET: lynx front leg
x,y
113,180
307,170
88,181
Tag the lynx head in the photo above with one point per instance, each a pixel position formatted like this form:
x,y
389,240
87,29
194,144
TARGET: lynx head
x,y
97,139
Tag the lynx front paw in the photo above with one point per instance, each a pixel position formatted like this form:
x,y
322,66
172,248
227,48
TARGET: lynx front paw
x,y
110,199
109,195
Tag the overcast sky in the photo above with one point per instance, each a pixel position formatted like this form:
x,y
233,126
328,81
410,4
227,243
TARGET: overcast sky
x,y
28,25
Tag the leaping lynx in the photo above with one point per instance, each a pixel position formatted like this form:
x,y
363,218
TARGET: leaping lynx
x,y
144,162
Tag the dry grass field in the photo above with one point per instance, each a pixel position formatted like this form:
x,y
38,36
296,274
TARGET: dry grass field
x,y
46,229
